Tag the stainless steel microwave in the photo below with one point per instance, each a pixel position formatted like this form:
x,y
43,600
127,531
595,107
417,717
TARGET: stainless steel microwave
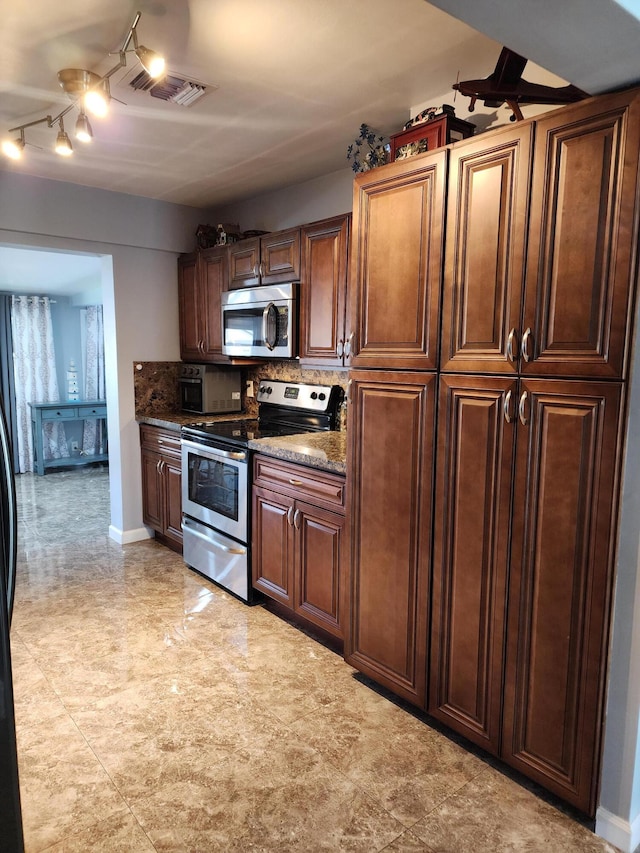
x,y
260,321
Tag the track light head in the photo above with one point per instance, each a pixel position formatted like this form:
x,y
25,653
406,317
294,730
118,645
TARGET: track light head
x,y
13,148
84,131
63,143
151,61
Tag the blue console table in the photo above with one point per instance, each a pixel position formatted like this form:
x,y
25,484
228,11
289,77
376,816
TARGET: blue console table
x,y
78,410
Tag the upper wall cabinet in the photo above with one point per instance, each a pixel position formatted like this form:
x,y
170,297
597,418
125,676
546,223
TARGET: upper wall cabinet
x,y
397,263
201,280
270,259
484,270
566,312
324,331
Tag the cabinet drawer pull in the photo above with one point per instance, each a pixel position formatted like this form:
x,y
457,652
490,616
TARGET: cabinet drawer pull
x,y
295,482
296,519
290,516
525,345
521,413
511,340
506,407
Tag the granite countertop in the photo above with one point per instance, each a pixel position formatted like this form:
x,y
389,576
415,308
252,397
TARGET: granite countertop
x,y
175,420
324,450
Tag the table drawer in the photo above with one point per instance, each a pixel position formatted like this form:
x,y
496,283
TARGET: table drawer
x,y
64,413
92,411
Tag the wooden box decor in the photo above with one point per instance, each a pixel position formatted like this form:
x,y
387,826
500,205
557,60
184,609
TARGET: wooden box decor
x,y
430,134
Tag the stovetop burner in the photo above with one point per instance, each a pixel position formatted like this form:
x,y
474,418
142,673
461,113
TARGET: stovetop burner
x,y
285,408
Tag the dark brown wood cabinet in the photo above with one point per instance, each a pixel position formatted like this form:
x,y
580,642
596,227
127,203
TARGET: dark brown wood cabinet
x,y
298,540
162,484
567,312
540,565
270,259
202,278
396,270
391,453
324,325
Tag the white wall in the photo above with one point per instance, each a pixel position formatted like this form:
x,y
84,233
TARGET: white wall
x,y
139,240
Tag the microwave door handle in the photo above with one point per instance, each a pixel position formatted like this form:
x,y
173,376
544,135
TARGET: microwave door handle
x,y
265,322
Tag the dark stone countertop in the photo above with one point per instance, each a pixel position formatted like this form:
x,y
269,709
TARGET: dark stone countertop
x,y
324,450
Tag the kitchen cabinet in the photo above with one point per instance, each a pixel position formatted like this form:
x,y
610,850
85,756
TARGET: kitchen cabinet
x,y
162,484
298,540
325,337
202,278
271,259
573,295
396,275
530,581
390,468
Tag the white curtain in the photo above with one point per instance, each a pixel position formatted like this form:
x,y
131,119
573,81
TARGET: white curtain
x,y
93,439
36,381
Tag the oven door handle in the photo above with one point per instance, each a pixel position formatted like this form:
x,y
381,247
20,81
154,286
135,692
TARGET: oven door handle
x,y
209,452
210,538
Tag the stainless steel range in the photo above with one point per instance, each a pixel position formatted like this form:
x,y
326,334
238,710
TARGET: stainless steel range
x,y
216,478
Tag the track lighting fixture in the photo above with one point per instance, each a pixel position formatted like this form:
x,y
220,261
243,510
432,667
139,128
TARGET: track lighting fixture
x,y
89,92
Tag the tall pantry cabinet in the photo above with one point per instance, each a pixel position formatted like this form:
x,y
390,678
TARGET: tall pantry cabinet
x,y
538,292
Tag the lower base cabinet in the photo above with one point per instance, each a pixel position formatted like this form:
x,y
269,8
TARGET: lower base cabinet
x,y
162,484
524,536
298,534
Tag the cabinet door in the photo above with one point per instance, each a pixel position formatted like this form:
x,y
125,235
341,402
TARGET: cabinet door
x,y
280,256
214,281
244,263
487,218
563,538
323,291
189,307
272,558
152,492
476,432
397,265
581,239
390,486
172,483
319,543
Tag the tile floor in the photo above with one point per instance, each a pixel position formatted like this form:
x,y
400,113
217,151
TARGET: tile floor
x,y
156,712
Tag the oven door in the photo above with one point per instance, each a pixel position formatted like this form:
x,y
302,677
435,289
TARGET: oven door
x,y
214,487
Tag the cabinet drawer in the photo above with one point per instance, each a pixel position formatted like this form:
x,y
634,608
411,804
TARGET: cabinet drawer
x,y
160,440
64,413
320,486
92,411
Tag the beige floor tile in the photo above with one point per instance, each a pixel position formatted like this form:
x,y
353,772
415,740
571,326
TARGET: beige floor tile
x,y
120,833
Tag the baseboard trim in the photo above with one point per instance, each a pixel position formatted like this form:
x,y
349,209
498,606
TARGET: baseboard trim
x,y
124,537
618,831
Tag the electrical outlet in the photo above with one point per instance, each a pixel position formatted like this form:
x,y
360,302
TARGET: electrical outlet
x,y
74,445
249,388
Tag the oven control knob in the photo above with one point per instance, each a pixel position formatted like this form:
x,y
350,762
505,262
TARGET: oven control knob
x,y
314,395
322,396
269,389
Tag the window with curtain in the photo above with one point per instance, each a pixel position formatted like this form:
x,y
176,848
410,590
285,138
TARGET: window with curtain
x,y
36,380
93,438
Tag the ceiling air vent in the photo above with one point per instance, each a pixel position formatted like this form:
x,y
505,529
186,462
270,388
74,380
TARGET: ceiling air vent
x,y
171,88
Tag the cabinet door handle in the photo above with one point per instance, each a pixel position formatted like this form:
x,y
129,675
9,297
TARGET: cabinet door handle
x,y
525,344
347,345
290,516
254,270
261,270
295,482
511,340
158,464
521,413
340,349
296,519
506,407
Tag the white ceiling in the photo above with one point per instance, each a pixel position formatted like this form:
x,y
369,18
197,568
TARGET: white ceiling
x,y
295,79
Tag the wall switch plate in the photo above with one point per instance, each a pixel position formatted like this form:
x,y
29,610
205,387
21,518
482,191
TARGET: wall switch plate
x,y
74,444
249,388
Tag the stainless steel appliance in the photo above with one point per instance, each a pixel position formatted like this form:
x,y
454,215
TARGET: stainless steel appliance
x,y
260,321
11,834
216,476
206,389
